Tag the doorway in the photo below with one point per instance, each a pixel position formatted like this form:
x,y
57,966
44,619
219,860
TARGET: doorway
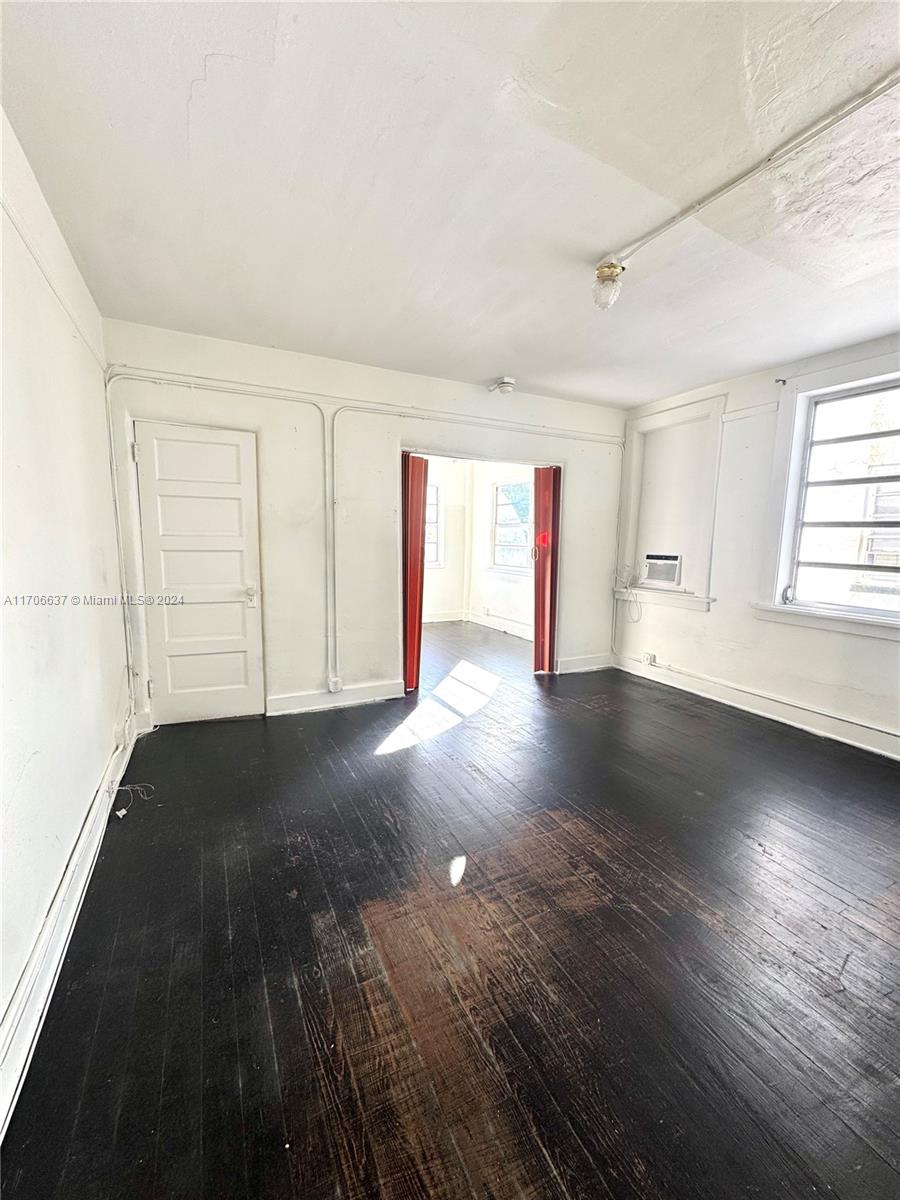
x,y
487,537
200,538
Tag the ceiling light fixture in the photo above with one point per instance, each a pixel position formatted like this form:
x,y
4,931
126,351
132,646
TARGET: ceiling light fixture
x,y
608,281
504,384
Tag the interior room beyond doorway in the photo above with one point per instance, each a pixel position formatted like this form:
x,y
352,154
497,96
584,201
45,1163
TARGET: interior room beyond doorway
x,y
479,534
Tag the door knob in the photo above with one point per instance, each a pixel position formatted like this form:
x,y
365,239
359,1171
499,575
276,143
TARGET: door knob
x,y
250,592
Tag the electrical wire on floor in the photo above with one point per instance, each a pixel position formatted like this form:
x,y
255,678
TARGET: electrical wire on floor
x,y
143,790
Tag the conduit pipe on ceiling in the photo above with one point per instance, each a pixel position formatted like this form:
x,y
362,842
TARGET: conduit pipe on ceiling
x,y
779,154
329,408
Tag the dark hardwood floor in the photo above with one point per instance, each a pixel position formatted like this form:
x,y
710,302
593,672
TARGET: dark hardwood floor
x,y
578,937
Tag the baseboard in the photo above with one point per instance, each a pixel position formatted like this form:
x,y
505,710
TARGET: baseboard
x,y
450,615
504,625
143,722
28,1005
776,708
357,693
587,662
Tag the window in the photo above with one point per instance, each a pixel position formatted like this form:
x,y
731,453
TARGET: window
x,y
846,546
513,533
432,526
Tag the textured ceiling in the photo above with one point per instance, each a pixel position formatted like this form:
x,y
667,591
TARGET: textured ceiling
x,y
428,187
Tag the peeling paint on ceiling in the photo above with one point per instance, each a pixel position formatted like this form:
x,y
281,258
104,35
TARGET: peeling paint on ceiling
x,y
428,186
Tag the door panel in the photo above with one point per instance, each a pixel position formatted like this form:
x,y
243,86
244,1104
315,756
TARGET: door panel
x,y
414,489
200,514
183,460
205,620
547,486
201,552
199,566
201,672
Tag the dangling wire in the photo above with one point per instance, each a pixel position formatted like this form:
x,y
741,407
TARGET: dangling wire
x,y
144,790
633,609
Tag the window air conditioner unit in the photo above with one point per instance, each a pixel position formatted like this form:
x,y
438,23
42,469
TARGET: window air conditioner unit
x,y
661,570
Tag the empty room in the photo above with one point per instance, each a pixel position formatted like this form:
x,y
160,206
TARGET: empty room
x,y
451,600
478,594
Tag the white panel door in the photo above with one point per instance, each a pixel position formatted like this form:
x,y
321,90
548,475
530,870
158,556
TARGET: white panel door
x,y
200,532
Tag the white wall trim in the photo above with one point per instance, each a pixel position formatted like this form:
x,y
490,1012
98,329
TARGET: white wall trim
x,y
711,410
28,1005
331,408
520,629
749,410
763,704
358,693
448,615
587,662
342,403
666,596
814,618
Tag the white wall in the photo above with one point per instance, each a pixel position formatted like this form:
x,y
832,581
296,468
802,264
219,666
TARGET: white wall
x,y
673,466
65,694
465,586
838,683
445,594
331,604
501,598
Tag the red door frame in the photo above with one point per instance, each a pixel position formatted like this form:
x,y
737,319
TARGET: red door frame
x,y
414,483
547,490
545,552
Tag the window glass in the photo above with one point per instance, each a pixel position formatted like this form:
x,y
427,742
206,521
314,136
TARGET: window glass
x,y
851,501
854,460
847,543
857,414
513,532
847,589
432,525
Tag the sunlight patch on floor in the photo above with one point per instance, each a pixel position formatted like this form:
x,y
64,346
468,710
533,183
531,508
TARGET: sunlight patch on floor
x,y
464,691
457,869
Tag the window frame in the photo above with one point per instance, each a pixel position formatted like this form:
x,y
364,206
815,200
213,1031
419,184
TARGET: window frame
x,y
528,568
439,526
796,408
804,484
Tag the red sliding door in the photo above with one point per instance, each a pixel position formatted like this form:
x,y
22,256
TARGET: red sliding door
x,y
414,482
546,564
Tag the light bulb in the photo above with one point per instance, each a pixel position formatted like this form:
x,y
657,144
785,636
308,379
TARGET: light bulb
x,y
608,283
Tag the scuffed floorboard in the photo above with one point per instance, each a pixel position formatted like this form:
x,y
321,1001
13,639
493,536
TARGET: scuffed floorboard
x,y
570,939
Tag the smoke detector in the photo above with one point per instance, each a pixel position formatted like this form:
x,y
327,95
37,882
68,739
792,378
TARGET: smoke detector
x,y
505,384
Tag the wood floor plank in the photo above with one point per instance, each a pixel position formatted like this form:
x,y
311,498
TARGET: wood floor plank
x,y
566,938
